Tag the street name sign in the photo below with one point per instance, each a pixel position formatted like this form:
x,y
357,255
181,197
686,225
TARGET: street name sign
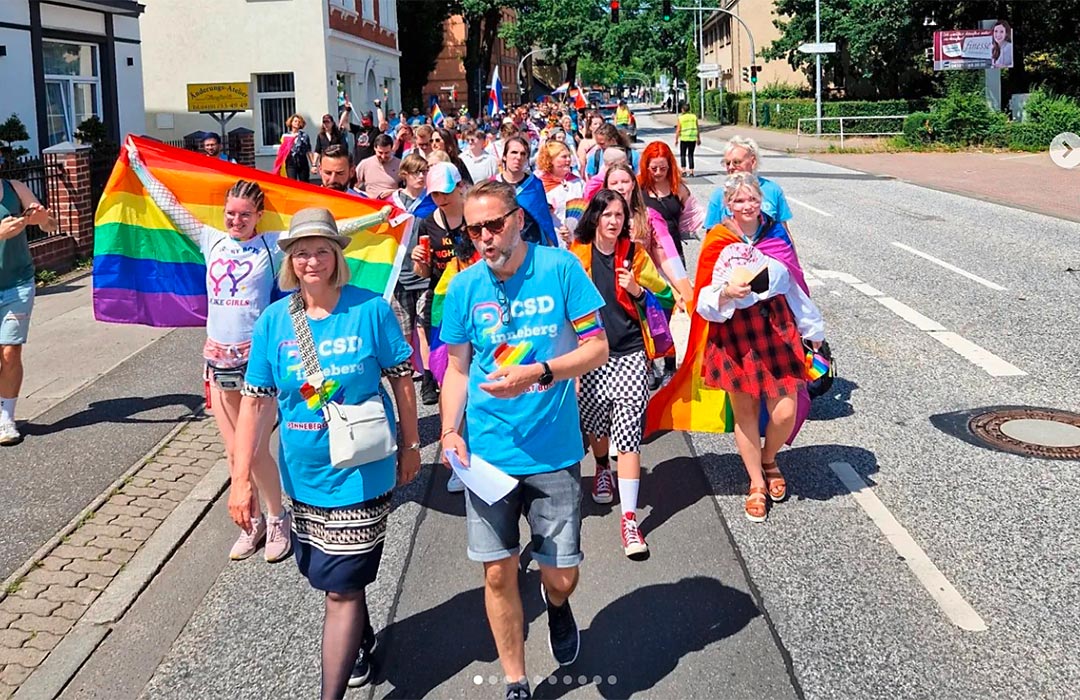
x,y
823,47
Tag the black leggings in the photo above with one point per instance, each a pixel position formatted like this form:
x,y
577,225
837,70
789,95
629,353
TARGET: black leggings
x,y
686,152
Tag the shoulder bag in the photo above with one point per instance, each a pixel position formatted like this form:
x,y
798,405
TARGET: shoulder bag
x,y
359,434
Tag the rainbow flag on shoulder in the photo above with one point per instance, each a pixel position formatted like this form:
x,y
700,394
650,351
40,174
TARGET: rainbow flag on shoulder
x,y
148,272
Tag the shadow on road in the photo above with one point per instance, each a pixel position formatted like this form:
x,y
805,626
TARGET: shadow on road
x,y
123,410
691,613
836,403
425,650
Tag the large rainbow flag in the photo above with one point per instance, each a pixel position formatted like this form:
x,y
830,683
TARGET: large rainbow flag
x,y
148,272
687,403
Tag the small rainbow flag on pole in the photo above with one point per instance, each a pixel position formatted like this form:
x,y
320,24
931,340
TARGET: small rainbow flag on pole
x,y
148,272
437,117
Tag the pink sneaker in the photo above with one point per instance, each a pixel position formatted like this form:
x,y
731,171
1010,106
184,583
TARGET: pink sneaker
x,y
248,542
632,540
278,540
603,487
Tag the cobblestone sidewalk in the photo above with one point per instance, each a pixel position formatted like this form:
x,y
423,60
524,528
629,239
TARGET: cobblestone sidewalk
x,y
39,608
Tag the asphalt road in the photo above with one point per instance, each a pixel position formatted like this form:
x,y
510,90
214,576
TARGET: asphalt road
x,y
73,451
1001,528
828,593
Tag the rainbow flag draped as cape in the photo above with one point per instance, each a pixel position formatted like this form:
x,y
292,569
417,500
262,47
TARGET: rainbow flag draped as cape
x,y
438,358
148,272
686,403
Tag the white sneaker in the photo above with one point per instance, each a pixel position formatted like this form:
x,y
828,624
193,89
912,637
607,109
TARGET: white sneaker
x,y
455,484
9,434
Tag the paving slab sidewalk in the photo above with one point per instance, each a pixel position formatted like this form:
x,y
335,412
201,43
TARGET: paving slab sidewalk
x,y
61,603
1029,181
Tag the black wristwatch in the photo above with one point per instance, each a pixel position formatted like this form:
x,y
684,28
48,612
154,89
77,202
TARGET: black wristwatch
x,y
547,377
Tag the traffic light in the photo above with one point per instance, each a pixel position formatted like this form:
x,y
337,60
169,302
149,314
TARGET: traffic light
x,y
614,11
666,11
746,74
754,70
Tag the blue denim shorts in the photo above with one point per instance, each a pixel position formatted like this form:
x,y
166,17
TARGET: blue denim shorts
x,y
550,502
16,303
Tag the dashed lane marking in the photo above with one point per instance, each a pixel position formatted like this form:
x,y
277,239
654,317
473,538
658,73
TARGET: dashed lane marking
x,y
959,612
952,268
811,208
973,353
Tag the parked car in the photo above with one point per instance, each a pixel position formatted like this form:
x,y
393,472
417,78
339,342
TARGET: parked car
x,y
607,111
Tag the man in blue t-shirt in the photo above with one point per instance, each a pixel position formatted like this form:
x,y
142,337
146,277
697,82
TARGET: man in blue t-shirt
x,y
520,326
741,155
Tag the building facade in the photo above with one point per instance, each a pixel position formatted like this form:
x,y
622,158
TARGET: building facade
x,y
448,80
726,44
66,61
297,56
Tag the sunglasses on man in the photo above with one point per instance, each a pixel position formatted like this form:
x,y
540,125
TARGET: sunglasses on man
x,y
495,226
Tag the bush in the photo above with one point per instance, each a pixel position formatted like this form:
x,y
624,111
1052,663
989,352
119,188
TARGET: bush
x,y
783,91
1045,116
964,119
785,114
917,129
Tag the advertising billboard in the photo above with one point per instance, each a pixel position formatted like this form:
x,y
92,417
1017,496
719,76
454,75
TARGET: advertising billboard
x,y
974,49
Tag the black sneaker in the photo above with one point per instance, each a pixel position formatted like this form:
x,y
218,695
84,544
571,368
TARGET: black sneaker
x,y
564,638
364,668
654,377
518,691
429,390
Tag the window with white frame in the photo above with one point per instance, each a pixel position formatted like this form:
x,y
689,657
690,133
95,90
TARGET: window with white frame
x,y
367,10
347,5
72,87
276,100
387,15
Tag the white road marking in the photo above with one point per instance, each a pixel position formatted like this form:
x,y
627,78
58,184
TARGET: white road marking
x,y
959,612
977,355
910,315
1026,155
950,267
868,290
811,208
710,150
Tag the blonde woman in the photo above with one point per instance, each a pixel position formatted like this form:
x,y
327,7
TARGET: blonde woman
x,y
339,515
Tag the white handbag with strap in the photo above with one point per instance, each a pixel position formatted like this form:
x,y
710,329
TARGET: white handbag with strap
x,y
359,434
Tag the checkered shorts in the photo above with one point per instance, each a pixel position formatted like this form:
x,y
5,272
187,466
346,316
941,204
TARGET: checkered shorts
x,y
411,307
613,399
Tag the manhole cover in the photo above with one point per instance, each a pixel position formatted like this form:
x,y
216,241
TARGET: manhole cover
x,y
1033,432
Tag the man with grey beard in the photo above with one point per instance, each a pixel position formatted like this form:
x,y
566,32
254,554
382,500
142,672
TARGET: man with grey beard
x,y
520,327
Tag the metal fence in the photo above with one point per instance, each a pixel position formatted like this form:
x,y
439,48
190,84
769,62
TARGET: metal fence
x,y
869,128
42,176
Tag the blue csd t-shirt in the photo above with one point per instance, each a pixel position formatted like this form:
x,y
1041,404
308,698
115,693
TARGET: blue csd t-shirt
x,y
355,343
537,431
773,203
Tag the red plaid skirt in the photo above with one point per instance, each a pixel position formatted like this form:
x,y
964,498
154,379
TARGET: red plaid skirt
x,y
757,352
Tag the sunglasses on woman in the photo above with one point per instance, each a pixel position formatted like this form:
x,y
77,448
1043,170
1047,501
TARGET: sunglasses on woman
x,y
495,226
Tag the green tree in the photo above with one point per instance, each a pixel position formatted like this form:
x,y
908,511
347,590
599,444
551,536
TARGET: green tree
x,y
11,132
575,27
693,84
424,35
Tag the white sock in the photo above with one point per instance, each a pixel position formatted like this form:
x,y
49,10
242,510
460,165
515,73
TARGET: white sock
x,y
7,410
628,490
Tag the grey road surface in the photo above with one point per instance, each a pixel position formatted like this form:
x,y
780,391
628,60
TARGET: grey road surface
x,y
1001,528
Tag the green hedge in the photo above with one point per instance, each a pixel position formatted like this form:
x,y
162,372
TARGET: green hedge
x,y
785,114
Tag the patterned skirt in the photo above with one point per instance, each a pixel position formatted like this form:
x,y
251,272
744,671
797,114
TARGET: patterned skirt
x,y
757,352
339,550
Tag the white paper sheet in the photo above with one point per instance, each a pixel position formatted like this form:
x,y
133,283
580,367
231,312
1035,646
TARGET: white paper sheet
x,y
482,478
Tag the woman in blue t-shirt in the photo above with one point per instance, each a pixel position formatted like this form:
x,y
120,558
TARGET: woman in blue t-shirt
x,y
339,515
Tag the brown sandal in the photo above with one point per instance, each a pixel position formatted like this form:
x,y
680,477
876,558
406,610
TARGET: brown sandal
x,y
756,505
775,481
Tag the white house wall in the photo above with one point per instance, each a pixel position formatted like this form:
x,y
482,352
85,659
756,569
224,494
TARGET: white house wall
x,y
72,19
230,42
17,77
129,88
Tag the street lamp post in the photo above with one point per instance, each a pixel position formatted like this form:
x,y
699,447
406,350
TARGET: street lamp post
x,y
521,69
750,36
817,61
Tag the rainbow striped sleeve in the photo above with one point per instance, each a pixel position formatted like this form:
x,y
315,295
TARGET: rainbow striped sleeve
x,y
589,325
